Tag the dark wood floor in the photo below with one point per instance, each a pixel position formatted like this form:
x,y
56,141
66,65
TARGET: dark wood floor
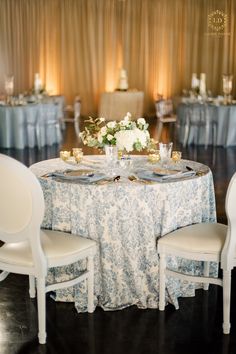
x,y
195,328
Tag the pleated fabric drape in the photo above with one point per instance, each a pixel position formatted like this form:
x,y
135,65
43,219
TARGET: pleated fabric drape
x,y
78,46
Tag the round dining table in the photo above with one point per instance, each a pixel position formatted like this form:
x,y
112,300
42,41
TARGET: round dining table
x,y
126,216
31,124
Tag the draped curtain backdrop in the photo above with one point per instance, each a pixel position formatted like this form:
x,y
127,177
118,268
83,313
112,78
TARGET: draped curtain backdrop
x,y
78,46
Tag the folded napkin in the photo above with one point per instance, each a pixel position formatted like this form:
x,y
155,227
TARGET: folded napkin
x,y
151,176
81,178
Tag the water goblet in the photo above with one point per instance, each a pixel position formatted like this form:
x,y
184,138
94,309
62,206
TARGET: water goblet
x,y
165,153
111,153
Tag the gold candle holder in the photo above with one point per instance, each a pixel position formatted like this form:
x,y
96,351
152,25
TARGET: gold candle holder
x,y
176,156
154,156
78,154
76,151
64,155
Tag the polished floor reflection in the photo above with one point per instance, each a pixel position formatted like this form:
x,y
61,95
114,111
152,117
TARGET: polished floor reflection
x,y
195,328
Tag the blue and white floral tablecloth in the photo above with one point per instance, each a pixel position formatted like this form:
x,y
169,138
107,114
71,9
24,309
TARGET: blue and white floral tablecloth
x,y
126,219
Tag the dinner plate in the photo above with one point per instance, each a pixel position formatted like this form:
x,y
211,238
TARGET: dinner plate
x,y
165,172
79,173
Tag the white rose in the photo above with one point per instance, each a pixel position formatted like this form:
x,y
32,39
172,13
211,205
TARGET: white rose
x,y
125,139
141,136
111,125
127,117
141,121
124,123
110,137
100,138
103,131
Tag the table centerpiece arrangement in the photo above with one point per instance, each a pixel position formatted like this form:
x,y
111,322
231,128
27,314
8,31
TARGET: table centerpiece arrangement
x,y
126,135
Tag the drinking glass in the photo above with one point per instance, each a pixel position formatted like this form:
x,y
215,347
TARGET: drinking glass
x,y
165,153
111,152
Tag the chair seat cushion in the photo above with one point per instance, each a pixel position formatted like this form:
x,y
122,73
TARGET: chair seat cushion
x,y
168,119
59,247
204,238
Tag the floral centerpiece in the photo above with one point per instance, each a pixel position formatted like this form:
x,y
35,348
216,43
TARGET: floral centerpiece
x,y
125,135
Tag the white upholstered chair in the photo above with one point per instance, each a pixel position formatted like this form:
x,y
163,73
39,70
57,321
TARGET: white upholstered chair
x,y
165,114
207,242
29,250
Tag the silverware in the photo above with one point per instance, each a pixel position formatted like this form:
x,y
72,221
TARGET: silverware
x,y
133,178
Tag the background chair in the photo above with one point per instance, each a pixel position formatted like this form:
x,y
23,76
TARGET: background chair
x,y
48,128
29,250
206,242
164,113
72,115
198,121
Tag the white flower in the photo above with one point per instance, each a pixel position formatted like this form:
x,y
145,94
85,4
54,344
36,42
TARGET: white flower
x,y
141,121
125,139
100,137
110,137
103,131
111,124
126,134
128,116
140,135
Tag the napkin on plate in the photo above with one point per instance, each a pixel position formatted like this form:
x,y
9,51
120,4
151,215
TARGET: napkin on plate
x,y
85,178
152,176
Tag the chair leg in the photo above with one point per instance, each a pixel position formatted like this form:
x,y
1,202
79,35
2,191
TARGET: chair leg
x,y
90,283
226,300
76,126
214,134
186,133
160,126
207,134
32,286
162,281
206,274
41,297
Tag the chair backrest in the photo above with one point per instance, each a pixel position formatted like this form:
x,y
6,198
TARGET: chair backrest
x,y
21,201
228,256
198,113
48,114
164,108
